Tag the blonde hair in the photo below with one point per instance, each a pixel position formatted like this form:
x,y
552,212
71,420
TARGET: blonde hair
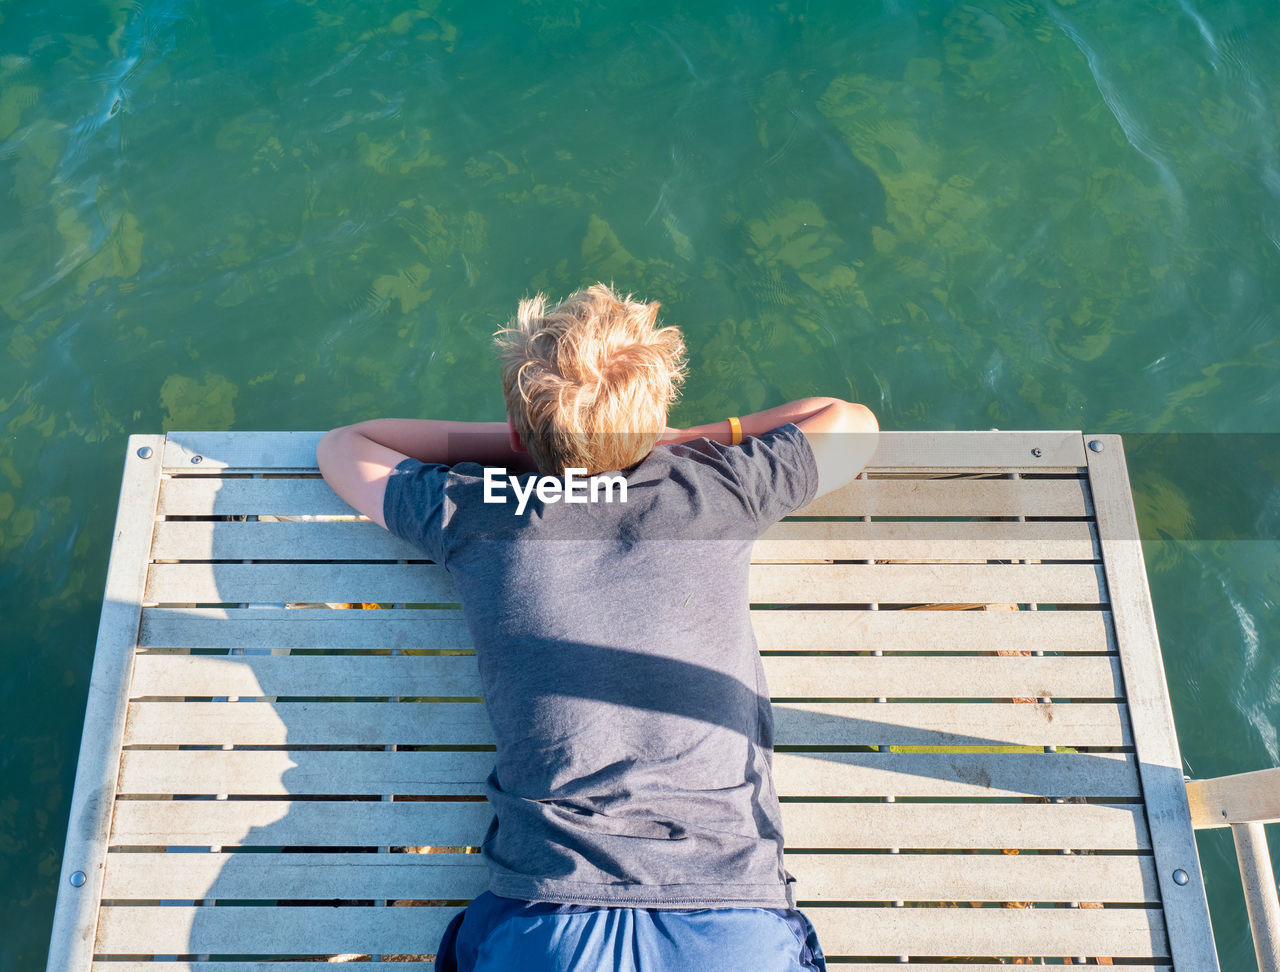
x,y
588,382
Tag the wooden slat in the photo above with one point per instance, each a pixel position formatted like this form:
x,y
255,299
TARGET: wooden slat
x,y
466,723
953,497
427,967
945,451
819,877
950,724
791,540
951,775
1160,762
770,583
1112,932
788,540
963,451
973,877
279,823
805,774
229,583
293,772
788,676
247,451
959,631
212,496
229,877
272,966
323,540
859,967
1241,798
915,677
306,675
925,583
1119,932
272,628
789,630
946,826
85,851
308,723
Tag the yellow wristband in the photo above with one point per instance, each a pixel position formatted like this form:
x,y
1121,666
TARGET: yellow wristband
x,y
735,427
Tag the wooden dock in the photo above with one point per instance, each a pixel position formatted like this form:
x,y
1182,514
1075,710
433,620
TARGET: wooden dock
x,y
975,748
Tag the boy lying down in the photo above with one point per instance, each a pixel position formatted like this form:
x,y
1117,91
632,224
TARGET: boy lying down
x,y
636,825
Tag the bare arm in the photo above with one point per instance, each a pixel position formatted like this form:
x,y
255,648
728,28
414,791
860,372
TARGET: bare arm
x,y
440,440
356,460
842,434
757,423
843,437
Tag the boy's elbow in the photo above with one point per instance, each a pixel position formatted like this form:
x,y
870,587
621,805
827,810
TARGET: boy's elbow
x,y
859,418
325,447
873,423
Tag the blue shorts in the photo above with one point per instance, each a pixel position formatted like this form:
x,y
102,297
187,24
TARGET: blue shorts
x,y
496,934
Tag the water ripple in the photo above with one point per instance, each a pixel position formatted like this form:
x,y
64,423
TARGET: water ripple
x,y
1252,110
1205,32
351,56
1137,137
1256,712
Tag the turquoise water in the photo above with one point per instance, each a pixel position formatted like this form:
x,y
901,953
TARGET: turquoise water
x,y
294,216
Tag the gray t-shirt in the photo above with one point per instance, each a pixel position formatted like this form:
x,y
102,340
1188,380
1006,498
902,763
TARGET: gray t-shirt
x,y
620,672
